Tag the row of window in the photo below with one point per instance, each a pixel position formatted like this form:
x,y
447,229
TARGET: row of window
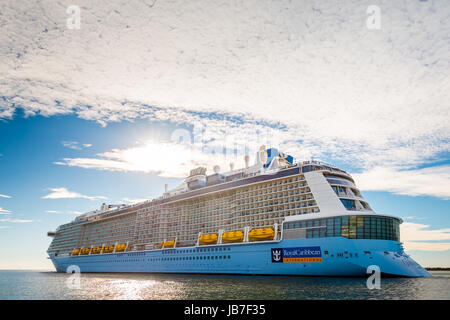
x,y
270,184
134,254
173,251
339,190
223,257
353,227
192,258
340,178
338,181
351,204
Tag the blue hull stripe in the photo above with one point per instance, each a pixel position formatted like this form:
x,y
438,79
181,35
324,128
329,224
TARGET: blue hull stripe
x,y
336,256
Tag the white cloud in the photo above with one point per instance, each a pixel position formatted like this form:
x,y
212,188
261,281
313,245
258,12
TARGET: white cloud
x,y
60,212
63,193
76,145
427,246
133,201
311,70
4,196
415,237
165,159
4,211
432,181
5,227
415,218
171,159
75,212
15,220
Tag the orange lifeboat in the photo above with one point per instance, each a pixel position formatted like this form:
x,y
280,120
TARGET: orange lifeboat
x,y
96,250
85,251
233,236
261,234
208,238
108,249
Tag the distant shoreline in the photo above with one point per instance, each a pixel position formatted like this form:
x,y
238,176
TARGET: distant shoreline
x,y
437,269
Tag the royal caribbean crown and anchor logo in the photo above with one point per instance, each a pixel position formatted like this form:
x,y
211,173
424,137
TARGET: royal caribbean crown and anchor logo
x,y
301,254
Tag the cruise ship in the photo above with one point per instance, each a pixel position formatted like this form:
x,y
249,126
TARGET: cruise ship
x,y
275,217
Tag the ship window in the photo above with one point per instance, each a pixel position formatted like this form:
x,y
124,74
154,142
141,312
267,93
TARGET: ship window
x,y
349,204
338,181
360,227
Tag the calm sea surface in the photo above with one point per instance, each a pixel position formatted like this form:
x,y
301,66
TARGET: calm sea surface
x,y
52,285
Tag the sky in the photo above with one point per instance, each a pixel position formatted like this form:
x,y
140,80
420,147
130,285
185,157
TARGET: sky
x,y
110,100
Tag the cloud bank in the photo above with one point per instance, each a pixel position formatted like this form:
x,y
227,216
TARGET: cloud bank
x,y
432,181
75,145
309,70
60,212
4,211
417,236
133,201
63,193
15,220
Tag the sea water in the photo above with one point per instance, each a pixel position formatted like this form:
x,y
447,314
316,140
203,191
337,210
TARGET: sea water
x,y
50,285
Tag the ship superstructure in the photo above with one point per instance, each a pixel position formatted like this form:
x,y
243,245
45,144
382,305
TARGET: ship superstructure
x,y
276,216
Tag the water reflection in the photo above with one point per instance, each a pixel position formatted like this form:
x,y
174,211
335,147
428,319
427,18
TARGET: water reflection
x,y
51,285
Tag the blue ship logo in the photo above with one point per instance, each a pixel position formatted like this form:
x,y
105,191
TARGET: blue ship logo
x,y
277,255
299,254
